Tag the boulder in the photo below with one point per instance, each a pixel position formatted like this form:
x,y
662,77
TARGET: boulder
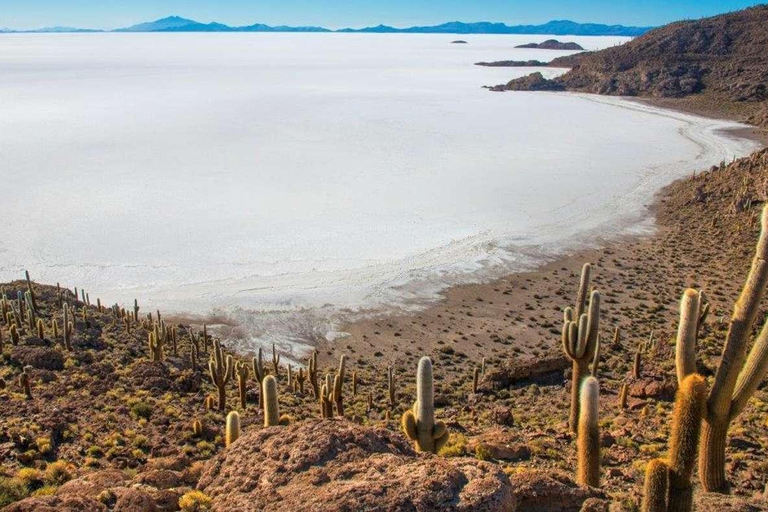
x,y
539,491
548,368
41,358
501,445
336,465
653,387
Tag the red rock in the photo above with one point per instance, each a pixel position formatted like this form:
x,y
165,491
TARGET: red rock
x,y
92,484
56,504
539,491
135,500
501,445
336,465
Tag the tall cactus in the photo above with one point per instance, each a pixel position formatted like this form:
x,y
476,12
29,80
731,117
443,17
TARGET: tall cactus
x,y
588,441
271,408
312,374
580,335
220,368
672,477
391,385
275,361
257,363
232,431
419,424
338,383
739,373
241,369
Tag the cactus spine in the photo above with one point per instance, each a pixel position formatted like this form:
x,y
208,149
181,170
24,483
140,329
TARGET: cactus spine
x,y
220,368
580,334
242,380
232,431
271,409
588,441
419,424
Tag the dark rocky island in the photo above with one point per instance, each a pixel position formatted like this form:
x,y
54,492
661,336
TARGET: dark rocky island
x,y
568,61
552,44
459,42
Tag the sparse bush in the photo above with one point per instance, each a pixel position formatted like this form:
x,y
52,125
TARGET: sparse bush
x,y
58,472
194,501
455,447
11,490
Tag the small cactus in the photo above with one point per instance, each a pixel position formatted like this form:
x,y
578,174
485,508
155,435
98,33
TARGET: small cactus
x,y
271,409
623,396
232,428
14,335
354,383
24,382
197,428
257,364
588,441
301,378
419,424
391,385
210,403
40,329
475,379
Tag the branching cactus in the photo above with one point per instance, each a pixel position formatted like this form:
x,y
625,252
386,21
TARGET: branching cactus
x,y
271,409
312,374
739,373
259,373
419,424
220,368
241,369
588,441
580,335
668,482
155,345
232,431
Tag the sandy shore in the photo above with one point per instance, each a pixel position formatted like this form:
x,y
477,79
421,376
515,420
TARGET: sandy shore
x,y
522,311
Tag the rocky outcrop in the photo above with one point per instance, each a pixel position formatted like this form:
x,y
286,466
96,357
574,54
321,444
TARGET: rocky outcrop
x,y
337,465
723,55
42,358
540,369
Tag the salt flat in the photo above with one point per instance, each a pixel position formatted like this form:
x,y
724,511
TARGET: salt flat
x,y
289,180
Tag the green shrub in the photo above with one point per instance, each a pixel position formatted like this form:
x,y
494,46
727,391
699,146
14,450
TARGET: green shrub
x,y
194,501
12,490
142,410
57,473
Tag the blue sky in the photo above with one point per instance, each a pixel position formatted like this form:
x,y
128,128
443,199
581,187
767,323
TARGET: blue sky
x,y
354,13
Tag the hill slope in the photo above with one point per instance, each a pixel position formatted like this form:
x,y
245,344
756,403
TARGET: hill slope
x,y
723,57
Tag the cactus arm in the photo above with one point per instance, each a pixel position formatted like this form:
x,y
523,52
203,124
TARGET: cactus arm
x,y
744,313
685,350
408,422
581,300
593,325
581,345
440,430
752,374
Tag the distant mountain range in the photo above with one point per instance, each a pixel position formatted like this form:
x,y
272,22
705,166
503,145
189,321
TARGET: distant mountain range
x,y
557,27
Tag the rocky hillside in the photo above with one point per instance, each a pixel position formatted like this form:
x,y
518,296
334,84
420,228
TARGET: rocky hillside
x,y
723,56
